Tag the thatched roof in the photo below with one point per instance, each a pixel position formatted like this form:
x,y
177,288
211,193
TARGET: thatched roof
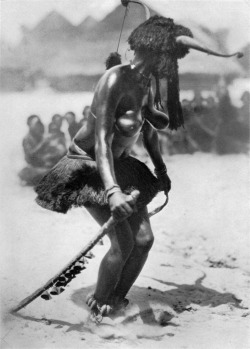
x,y
59,48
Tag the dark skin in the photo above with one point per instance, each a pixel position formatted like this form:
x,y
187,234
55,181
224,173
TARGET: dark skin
x,y
119,98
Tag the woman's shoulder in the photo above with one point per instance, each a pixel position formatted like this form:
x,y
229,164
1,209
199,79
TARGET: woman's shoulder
x,y
111,83
111,75
120,68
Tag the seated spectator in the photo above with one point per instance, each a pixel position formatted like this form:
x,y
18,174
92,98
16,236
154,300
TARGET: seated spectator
x,y
181,142
55,127
33,146
228,135
73,125
85,115
201,124
242,130
198,102
244,112
187,109
55,147
57,119
34,142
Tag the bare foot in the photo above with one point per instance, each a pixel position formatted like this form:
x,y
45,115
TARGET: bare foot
x,y
119,304
97,310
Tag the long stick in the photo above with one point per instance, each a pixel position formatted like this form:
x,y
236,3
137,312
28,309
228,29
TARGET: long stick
x,y
103,231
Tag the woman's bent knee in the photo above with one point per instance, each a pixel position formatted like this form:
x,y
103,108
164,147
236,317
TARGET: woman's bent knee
x,y
122,242
144,242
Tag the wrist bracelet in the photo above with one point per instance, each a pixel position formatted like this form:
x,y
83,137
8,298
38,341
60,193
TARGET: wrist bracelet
x,y
162,171
115,188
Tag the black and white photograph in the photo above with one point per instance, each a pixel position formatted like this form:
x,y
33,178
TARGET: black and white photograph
x,y
125,174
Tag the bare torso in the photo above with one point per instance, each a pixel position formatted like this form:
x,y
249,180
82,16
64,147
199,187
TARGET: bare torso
x,y
127,119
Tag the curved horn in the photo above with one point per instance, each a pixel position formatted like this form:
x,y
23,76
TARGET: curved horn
x,y
194,44
146,9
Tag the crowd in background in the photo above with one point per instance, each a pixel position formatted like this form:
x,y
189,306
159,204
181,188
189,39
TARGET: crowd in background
x,y
212,124
42,150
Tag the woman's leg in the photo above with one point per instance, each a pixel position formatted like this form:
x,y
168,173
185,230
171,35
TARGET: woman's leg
x,y
122,243
143,241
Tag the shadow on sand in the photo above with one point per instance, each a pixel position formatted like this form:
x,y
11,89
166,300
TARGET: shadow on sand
x,y
182,296
180,299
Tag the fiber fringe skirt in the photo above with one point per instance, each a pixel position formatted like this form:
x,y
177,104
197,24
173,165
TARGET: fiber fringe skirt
x,y
77,182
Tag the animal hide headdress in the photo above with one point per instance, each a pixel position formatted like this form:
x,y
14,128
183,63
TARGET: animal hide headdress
x,y
170,42
158,35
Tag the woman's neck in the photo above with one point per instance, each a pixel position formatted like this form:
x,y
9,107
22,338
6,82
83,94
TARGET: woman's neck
x,y
142,65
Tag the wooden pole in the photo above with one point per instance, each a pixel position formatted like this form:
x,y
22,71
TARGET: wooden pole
x,y
103,231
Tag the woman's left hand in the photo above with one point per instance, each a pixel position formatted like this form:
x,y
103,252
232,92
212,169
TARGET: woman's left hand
x,y
165,183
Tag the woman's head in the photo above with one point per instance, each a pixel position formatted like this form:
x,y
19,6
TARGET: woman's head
x,y
70,117
158,35
156,38
167,42
57,120
36,126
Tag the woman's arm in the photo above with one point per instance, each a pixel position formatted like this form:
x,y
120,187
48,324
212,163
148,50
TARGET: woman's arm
x,y
29,148
106,99
151,143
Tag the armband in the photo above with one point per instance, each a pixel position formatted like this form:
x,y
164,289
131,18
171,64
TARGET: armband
x,y
110,191
162,171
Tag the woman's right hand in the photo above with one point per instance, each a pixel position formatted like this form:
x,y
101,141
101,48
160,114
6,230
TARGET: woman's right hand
x,y
121,205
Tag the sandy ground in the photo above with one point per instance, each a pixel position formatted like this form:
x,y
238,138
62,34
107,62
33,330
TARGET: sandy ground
x,y
193,291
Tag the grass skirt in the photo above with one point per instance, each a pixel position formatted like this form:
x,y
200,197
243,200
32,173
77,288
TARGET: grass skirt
x,y
77,182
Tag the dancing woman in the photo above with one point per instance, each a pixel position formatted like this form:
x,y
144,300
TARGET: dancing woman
x,y
98,172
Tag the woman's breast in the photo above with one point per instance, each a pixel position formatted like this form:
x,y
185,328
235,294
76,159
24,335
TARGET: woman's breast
x,y
129,123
